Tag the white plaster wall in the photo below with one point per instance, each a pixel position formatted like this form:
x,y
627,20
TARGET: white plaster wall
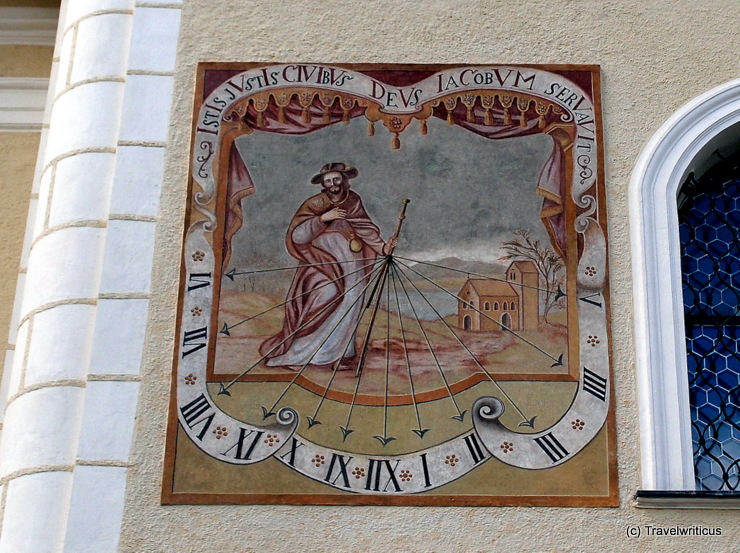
x,y
655,56
72,379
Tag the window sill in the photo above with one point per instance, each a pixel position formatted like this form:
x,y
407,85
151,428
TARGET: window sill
x,y
651,499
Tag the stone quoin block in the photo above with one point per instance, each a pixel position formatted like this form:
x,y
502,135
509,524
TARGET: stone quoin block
x,y
60,344
48,416
146,108
129,252
96,509
94,57
63,265
81,188
85,117
137,181
35,509
108,421
160,26
120,326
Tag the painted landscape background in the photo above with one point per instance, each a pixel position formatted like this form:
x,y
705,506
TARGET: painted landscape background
x,y
468,195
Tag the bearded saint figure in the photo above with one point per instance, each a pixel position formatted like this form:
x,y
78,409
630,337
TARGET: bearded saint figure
x,y
333,238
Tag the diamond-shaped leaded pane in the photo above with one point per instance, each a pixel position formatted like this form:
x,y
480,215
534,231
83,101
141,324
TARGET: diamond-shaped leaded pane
x,y
710,257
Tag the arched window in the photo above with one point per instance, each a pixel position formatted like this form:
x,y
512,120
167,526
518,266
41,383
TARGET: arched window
x,y
709,219
513,306
681,146
504,306
495,306
487,306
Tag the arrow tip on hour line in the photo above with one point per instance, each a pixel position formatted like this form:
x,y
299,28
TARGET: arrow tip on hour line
x,y
345,432
460,417
225,330
222,391
420,432
265,413
559,294
529,423
312,422
559,362
383,440
230,274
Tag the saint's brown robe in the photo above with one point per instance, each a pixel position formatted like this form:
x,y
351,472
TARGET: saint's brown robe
x,y
307,308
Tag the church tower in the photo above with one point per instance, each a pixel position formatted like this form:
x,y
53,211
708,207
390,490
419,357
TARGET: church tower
x,y
524,273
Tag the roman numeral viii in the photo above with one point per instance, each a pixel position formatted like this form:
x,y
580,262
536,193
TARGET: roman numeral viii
x,y
193,411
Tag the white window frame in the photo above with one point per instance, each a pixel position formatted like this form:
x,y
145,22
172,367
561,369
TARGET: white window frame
x,y
665,426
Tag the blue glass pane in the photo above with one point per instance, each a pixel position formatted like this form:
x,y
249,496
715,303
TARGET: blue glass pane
x,y
710,262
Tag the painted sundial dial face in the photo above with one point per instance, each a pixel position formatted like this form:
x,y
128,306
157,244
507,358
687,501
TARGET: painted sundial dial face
x,y
393,318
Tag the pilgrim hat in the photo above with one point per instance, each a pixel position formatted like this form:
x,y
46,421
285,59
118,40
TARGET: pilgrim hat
x,y
348,171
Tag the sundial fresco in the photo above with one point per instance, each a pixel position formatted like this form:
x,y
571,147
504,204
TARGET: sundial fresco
x,y
394,289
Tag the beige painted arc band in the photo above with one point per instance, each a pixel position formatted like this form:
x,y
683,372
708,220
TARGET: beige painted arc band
x,y
57,303
75,152
68,225
71,61
24,361
155,5
151,73
49,198
103,463
94,80
131,217
35,470
124,296
45,385
98,377
3,499
96,13
142,143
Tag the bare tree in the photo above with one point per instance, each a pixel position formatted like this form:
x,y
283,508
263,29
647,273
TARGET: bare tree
x,y
548,263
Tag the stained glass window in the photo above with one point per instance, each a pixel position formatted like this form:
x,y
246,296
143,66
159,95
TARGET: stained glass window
x,y
709,218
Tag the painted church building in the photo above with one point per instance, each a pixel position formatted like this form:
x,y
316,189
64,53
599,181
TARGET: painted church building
x,y
508,303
